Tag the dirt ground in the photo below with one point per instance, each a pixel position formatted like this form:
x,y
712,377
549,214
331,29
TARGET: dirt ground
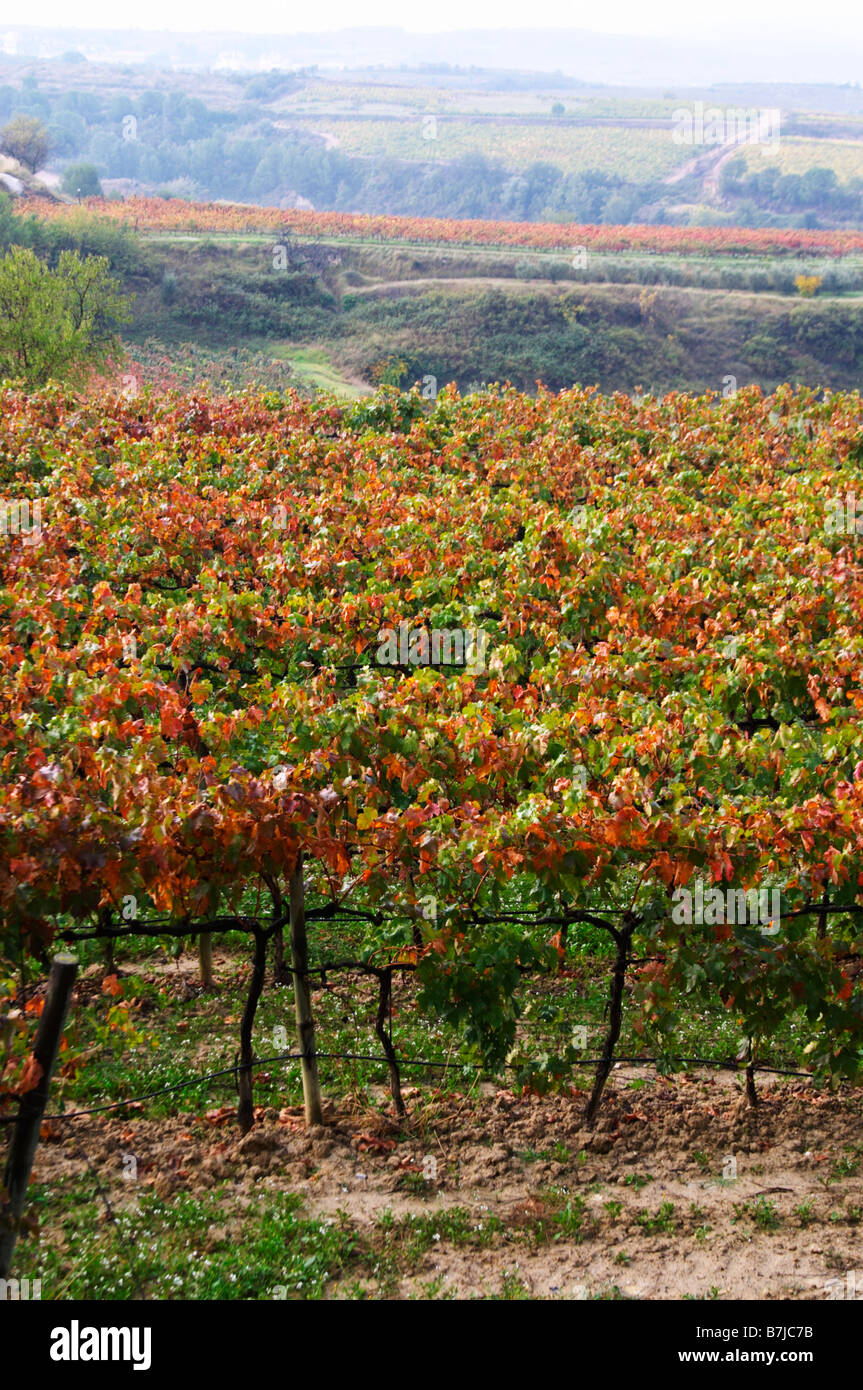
x,y
766,1204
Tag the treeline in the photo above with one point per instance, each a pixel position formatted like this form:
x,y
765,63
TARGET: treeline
x,y
165,139
90,124
818,192
773,277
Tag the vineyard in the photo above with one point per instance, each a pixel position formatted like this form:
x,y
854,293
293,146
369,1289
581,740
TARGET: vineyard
x,y
325,95
500,751
176,215
796,155
633,153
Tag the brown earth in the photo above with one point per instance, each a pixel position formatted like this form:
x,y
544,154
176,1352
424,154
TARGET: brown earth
x,y
492,1154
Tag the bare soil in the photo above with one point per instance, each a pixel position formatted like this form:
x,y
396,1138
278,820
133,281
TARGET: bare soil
x,y
739,1181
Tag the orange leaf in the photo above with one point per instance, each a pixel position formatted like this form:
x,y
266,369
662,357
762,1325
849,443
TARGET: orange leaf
x,y
31,1074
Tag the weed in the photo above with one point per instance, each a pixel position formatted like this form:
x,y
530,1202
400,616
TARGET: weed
x,y
762,1213
805,1211
847,1166
658,1222
435,1289
637,1180
415,1183
512,1286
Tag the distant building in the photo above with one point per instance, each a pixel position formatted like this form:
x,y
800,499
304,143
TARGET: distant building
x,y
291,199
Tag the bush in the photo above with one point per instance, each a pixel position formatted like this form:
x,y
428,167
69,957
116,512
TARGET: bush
x,y
57,323
26,139
95,236
168,287
81,181
807,285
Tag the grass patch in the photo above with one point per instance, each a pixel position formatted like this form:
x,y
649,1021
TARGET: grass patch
x,y
190,1248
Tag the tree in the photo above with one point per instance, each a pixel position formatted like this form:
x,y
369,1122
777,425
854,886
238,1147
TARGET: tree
x,y
807,285
26,139
81,181
57,323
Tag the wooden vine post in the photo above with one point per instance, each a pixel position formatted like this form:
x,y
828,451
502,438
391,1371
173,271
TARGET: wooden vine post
x,y
205,960
751,1092
246,1107
105,925
303,997
821,931
280,972
25,1135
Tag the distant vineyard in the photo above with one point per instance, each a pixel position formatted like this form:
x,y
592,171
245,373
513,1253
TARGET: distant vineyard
x,y
796,156
175,215
352,97
631,153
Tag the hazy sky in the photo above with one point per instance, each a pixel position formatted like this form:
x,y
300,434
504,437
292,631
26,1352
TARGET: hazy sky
x,y
680,18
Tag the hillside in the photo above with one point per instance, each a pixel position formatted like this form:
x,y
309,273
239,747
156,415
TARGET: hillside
x,y
465,144
333,302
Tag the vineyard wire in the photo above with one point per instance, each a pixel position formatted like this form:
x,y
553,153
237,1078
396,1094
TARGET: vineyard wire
x,y
456,1064
333,911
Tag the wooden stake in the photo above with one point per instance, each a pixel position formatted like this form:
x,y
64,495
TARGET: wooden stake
x,y
25,1136
622,939
205,960
246,1107
751,1092
303,997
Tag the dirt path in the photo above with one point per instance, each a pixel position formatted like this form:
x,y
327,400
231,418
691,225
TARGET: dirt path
x,y
508,282
708,164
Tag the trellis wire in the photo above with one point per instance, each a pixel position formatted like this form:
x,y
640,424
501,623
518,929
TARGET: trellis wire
x,y
457,1064
333,912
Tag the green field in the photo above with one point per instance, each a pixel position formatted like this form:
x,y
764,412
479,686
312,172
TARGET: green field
x,y
631,153
795,155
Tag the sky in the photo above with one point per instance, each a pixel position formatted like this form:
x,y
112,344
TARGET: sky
x,y
672,18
